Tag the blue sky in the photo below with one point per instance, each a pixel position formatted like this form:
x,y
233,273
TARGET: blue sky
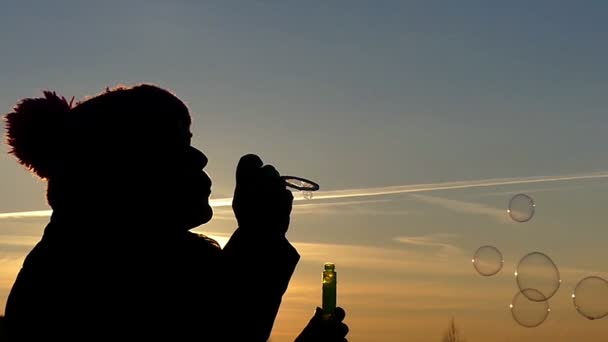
x,y
356,95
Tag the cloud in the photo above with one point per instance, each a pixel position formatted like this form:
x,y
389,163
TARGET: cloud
x,y
355,256
578,273
223,214
465,207
382,191
345,207
390,260
536,190
16,246
432,241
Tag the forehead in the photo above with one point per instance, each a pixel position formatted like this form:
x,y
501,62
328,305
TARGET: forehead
x,y
178,112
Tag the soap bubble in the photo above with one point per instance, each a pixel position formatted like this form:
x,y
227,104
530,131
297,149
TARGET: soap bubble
x,y
521,208
302,184
526,312
538,272
487,260
590,297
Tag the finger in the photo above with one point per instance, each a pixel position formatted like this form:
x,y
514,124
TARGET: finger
x,y
343,329
247,166
271,182
289,197
271,174
339,314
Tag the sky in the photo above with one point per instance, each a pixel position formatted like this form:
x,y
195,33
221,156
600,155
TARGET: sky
x,y
419,120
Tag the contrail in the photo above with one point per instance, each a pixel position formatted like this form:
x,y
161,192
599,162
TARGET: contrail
x,y
380,191
401,189
26,214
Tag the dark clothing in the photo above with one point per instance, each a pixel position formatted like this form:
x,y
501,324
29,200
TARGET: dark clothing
x,y
166,287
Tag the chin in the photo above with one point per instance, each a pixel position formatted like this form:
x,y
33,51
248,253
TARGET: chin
x,y
200,217
206,215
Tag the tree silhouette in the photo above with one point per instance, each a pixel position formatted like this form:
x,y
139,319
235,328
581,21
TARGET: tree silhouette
x,y
452,334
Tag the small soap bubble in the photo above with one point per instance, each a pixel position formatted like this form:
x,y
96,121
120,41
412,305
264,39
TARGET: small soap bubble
x,y
590,297
521,208
487,260
538,272
526,312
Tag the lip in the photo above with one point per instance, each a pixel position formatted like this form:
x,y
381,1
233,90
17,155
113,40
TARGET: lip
x,y
205,182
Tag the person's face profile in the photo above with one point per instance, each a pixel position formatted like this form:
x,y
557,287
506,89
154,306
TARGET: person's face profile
x,y
195,187
180,188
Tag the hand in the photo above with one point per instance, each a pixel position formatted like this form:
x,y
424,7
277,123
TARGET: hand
x,y
261,200
325,328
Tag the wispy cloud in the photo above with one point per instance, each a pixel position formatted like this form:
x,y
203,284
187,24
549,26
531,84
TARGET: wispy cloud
x,y
465,207
355,256
382,191
394,260
223,214
345,207
436,241
538,190
15,247
19,240
572,272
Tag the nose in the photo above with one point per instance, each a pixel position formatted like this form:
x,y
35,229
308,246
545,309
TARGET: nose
x,y
198,157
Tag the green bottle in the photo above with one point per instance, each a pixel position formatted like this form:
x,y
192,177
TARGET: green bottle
x,y
329,288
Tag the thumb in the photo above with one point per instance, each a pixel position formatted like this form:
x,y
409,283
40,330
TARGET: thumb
x,y
246,167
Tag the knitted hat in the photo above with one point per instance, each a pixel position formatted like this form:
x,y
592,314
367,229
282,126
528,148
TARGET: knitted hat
x,y
50,135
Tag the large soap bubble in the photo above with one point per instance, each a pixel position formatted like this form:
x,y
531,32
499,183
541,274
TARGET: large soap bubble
x,y
590,297
526,312
521,208
487,260
538,272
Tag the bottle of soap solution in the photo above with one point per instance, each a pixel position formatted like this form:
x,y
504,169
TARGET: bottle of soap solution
x,y
329,288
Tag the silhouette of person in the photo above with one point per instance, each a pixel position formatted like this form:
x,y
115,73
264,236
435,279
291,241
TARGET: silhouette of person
x,y
118,259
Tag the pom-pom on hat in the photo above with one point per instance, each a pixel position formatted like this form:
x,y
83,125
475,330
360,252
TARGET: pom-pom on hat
x,y
34,131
